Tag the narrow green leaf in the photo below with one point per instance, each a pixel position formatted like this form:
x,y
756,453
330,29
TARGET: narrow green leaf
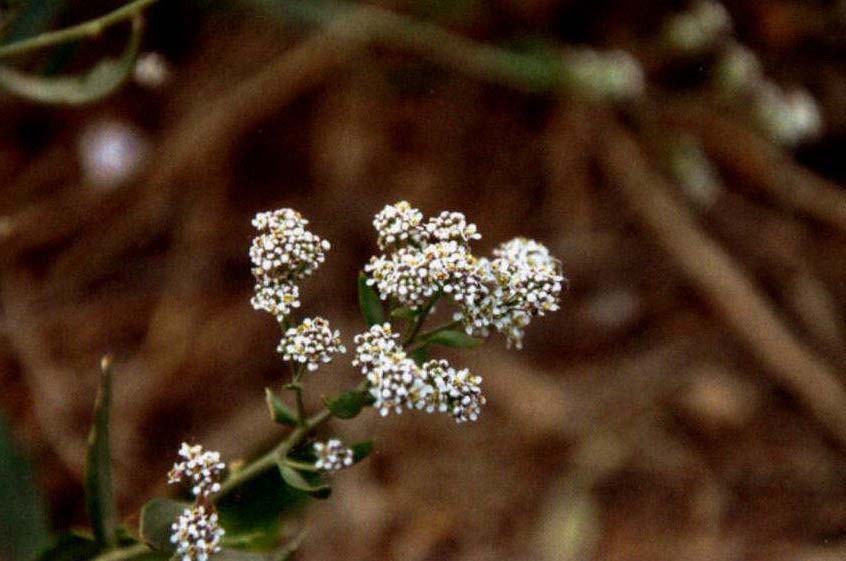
x,y
293,478
98,472
405,313
70,547
279,412
361,450
104,78
23,520
157,516
349,404
369,303
453,338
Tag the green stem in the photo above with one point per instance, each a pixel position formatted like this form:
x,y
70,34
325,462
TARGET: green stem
x,y
302,466
420,340
267,461
421,319
91,28
124,553
371,24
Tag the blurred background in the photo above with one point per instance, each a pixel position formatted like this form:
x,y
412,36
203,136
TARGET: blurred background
x,y
685,161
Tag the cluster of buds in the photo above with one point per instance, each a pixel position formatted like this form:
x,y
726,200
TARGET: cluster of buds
x,y
332,455
283,253
311,343
397,383
202,468
197,533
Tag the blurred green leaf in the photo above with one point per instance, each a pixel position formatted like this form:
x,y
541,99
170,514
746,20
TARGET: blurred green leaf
x,y
369,303
453,338
97,83
28,18
157,516
70,547
405,313
253,511
293,478
23,521
98,472
349,404
279,412
361,450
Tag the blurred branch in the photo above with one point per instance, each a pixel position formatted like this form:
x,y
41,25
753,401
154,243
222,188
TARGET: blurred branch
x,y
540,72
723,283
760,163
91,28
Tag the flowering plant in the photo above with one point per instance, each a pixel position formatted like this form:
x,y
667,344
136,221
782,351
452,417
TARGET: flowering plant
x,y
235,511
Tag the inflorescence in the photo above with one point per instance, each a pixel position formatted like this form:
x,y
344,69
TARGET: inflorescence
x,y
196,533
283,253
311,343
332,455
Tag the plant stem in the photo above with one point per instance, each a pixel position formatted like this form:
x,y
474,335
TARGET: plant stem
x,y
421,319
420,340
91,28
267,461
124,553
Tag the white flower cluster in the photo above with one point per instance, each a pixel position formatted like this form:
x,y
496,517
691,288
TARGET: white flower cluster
x,y
283,253
196,534
311,343
612,74
332,455
425,258
523,280
698,27
398,384
202,468
787,117
398,224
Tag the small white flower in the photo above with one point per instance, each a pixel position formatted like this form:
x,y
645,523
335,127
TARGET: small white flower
x,y
456,392
451,226
332,455
275,297
403,275
373,344
196,534
699,27
789,117
151,70
201,468
398,224
311,343
394,380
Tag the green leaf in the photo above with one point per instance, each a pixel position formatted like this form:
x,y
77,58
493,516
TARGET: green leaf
x,y
361,450
405,313
104,78
235,555
23,520
453,338
279,412
349,404
369,303
70,547
98,472
157,516
252,511
293,478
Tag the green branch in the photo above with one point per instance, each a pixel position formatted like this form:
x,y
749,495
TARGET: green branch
x,y
91,28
